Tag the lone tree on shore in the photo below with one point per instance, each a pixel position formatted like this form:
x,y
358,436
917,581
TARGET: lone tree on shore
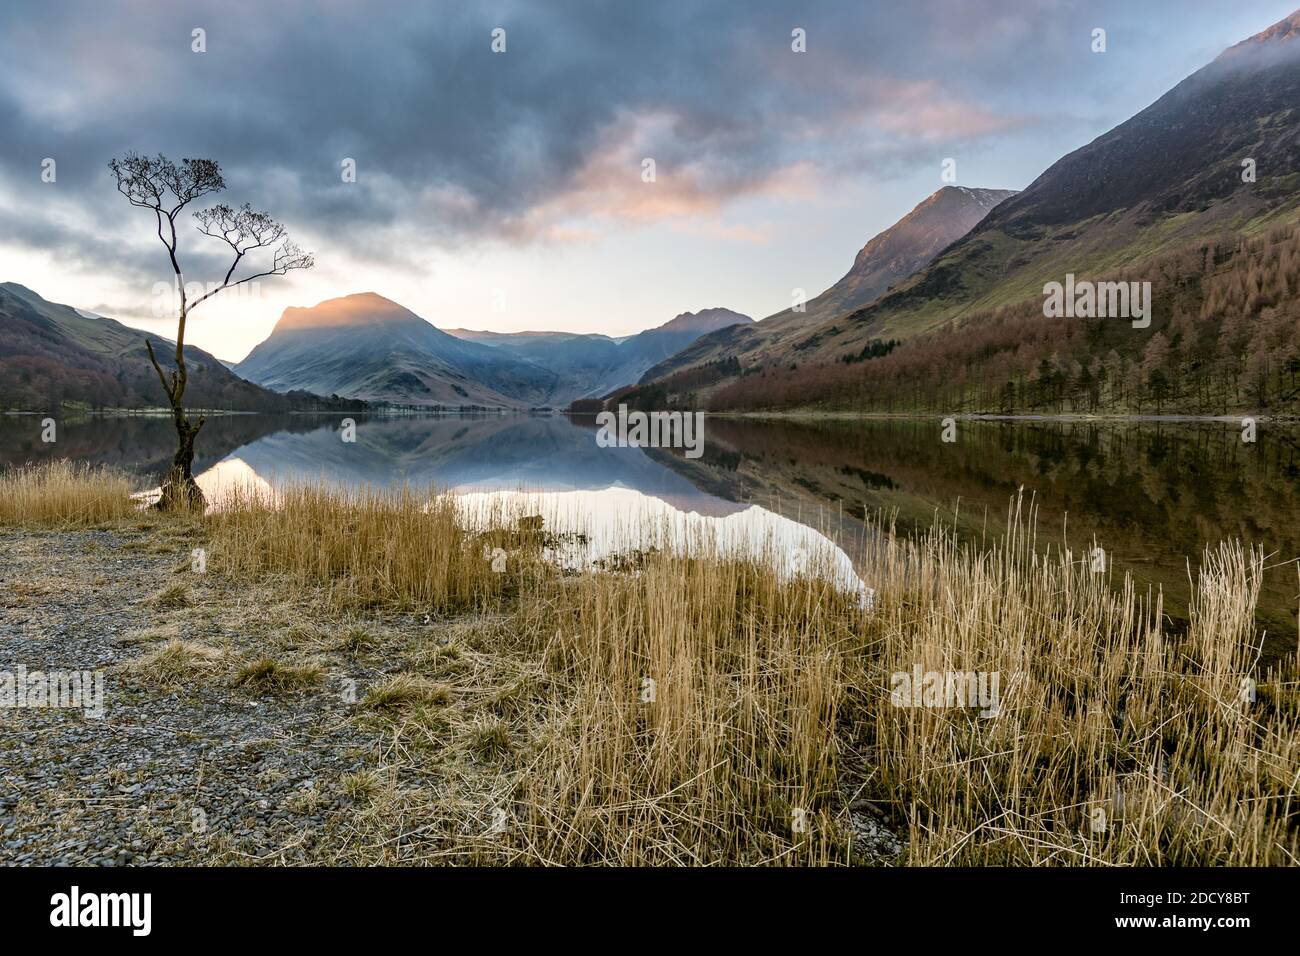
x,y
165,188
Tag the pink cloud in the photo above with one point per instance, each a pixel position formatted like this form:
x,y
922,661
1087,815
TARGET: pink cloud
x,y
613,186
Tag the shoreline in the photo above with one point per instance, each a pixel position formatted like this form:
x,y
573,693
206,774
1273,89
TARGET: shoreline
x,y
775,415
979,416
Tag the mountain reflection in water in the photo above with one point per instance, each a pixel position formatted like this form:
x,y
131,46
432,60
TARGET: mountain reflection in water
x,y
618,500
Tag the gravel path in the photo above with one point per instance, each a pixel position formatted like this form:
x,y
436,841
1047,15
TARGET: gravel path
x,y
211,773
203,769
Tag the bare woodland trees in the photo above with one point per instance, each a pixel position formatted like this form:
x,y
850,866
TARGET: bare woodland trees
x,y
165,188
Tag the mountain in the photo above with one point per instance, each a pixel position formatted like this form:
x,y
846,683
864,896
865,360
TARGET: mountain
x,y
366,346
369,347
580,362
1168,176
696,323
1166,197
893,255
890,257
51,353
594,365
654,346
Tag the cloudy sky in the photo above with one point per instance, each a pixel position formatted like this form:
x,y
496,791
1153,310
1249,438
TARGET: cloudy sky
x,y
505,191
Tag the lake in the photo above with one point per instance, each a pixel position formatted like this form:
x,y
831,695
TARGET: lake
x,y
1153,494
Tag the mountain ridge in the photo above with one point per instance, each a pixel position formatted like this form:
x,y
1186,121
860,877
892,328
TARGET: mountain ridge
x,y
887,258
367,346
51,353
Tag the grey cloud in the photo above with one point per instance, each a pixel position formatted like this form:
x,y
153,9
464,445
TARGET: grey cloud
x,y
454,143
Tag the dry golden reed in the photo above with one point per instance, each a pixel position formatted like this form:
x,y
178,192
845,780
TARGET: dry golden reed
x,y
370,546
64,493
695,707
1120,739
702,710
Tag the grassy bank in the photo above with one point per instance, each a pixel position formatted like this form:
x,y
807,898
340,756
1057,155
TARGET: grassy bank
x,y
702,709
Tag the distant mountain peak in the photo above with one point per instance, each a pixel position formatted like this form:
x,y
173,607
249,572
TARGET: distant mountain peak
x,y
1285,29
988,198
941,218
889,257
20,290
357,309
705,319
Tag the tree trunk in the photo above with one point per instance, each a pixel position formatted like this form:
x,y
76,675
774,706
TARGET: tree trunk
x,y
179,489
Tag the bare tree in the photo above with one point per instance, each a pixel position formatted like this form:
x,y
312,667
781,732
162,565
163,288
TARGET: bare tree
x,y
165,188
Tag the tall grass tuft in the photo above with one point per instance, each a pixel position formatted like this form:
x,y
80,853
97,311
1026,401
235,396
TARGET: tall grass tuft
x,y
696,718
692,700
699,708
63,493
369,546
1120,739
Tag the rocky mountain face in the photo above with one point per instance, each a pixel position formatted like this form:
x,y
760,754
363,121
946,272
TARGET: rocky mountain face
x,y
369,347
912,242
1171,175
358,347
887,259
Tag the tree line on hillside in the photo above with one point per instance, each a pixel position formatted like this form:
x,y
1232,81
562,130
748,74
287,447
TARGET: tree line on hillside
x,y
45,383
1223,339
657,395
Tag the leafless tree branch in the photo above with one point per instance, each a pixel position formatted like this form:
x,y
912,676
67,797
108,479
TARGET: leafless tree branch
x,y
165,188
